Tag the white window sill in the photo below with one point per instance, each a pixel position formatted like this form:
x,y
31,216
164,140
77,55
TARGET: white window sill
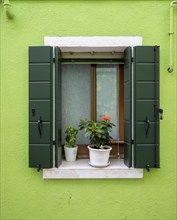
x,y
80,169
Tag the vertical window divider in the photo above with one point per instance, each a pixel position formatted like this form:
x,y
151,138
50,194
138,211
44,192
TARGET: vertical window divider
x,y
93,115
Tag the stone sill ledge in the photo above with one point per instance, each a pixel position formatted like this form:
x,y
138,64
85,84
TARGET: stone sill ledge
x,y
80,169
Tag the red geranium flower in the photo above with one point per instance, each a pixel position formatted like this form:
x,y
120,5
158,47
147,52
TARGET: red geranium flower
x,y
106,117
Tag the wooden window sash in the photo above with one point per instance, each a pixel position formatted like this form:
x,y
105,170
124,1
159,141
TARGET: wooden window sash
x,y
116,144
93,100
120,102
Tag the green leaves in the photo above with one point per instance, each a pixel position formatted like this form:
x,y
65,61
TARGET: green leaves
x,y
71,136
98,132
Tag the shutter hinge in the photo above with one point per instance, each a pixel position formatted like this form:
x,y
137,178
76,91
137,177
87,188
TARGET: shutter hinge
x,y
53,60
132,59
156,165
155,48
53,142
148,167
132,141
38,167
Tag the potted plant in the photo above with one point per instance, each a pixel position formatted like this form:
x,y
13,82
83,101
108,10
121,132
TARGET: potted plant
x,y
70,146
99,135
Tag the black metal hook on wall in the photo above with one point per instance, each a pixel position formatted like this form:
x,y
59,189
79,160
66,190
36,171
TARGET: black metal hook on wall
x,y
158,112
161,113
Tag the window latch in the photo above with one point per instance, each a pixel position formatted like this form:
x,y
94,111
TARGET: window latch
x,y
39,123
147,125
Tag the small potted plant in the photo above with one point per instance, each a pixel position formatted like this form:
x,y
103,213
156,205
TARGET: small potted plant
x,y
70,146
99,135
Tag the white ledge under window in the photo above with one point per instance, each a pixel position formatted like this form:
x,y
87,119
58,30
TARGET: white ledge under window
x,y
80,169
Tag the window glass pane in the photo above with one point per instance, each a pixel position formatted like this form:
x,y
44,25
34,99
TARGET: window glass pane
x,y
75,97
107,94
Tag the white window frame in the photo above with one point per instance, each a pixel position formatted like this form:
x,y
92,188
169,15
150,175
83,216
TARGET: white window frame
x,y
97,44
93,44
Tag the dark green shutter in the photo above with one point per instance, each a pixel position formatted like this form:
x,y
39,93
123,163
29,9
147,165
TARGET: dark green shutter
x,y
40,107
58,144
128,107
146,107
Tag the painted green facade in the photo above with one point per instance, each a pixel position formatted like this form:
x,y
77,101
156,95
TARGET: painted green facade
x,y
24,194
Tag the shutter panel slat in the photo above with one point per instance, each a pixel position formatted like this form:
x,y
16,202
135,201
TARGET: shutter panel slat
x,y
40,54
145,155
146,54
128,107
35,136
146,105
145,90
40,156
146,100
38,72
141,136
40,90
40,107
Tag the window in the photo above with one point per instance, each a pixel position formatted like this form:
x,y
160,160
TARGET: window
x,y
90,91
140,99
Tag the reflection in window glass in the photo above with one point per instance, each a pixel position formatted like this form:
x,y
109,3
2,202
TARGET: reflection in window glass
x,y
107,94
75,97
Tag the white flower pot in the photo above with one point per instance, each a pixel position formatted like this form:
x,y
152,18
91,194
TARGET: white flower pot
x,y
99,157
70,153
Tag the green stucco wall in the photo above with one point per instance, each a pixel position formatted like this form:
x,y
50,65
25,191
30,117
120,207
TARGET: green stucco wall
x,y
24,194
